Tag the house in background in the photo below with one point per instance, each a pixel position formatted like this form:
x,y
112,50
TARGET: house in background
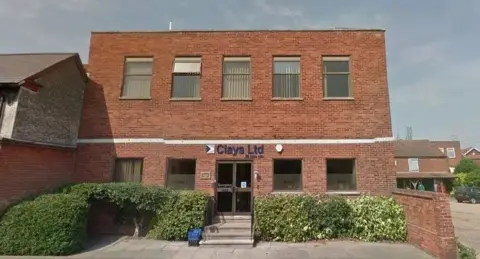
x,y
452,150
472,153
41,98
421,161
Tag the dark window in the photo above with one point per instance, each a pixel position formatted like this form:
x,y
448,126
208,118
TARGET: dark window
x,y
3,102
336,74
128,170
186,78
286,77
341,175
181,174
287,175
137,78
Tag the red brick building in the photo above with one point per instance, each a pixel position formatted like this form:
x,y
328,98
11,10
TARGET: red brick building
x,y
452,150
239,113
41,98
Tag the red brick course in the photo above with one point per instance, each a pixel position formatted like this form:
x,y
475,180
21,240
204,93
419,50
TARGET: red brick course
x,y
30,169
367,116
425,165
95,162
429,222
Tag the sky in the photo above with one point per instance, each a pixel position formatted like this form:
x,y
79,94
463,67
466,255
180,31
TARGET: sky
x,y
432,45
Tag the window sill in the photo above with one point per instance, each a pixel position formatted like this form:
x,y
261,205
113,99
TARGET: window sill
x,y
185,99
287,99
343,193
134,98
287,192
338,98
236,99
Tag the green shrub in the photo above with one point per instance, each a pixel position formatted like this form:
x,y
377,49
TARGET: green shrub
x,y
466,165
286,218
378,218
332,218
53,224
465,252
183,212
135,200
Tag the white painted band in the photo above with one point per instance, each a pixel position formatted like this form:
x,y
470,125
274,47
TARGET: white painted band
x,y
232,141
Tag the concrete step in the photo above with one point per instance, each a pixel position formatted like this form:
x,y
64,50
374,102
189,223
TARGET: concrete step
x,y
238,243
228,235
224,219
230,226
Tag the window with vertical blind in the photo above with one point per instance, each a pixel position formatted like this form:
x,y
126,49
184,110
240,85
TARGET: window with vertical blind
x,y
128,170
336,76
413,165
186,77
286,77
137,78
236,78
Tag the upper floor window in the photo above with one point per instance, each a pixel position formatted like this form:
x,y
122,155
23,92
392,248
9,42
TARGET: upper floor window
x,y
451,152
413,165
128,170
236,78
186,77
286,77
137,78
336,76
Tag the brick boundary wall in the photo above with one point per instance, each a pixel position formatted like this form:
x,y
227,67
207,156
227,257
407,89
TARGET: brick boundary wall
x,y
31,169
429,222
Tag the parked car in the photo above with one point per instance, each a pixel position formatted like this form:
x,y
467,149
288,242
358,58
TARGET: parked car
x,y
465,193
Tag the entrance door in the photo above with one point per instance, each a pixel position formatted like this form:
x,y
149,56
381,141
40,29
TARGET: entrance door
x,y
234,187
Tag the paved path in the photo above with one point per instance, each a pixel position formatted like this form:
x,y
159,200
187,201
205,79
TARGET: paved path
x,y
179,250
466,219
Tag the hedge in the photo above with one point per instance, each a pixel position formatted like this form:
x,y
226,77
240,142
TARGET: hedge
x,y
183,212
465,252
53,224
298,218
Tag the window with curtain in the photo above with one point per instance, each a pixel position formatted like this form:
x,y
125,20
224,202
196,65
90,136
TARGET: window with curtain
x,y
286,77
137,78
236,78
287,174
336,76
186,78
413,165
128,170
181,174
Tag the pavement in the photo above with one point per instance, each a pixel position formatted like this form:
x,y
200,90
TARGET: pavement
x,y
144,248
466,220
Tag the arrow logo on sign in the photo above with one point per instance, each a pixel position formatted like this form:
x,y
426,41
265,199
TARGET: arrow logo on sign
x,y
210,149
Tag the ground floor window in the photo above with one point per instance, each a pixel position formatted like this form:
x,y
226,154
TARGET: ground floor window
x,y
416,184
287,174
181,174
341,175
128,170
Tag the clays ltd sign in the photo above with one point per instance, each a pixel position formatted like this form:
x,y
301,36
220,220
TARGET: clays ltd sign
x,y
250,151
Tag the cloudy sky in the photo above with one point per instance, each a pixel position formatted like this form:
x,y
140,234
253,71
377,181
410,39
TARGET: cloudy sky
x,y
432,45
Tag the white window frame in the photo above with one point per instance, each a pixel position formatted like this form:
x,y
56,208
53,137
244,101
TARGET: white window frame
x,y
411,162
279,59
126,75
227,60
451,149
187,66
325,73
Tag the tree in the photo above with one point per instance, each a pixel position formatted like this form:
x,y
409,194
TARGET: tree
x,y
473,178
466,166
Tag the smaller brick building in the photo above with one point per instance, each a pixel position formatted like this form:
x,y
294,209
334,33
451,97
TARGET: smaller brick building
x,y
41,97
421,162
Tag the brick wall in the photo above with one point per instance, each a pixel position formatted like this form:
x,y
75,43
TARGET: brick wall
x,y
365,116
452,162
374,164
429,222
28,169
424,164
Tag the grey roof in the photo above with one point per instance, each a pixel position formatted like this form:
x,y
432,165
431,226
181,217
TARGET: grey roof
x,y
416,149
15,68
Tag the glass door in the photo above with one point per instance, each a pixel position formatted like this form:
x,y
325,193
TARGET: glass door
x,y
234,187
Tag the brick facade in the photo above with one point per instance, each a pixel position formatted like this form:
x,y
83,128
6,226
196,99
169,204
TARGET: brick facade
x,y
425,165
32,169
429,222
452,162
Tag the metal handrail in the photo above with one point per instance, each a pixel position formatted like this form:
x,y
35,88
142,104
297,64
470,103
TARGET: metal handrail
x,y
252,223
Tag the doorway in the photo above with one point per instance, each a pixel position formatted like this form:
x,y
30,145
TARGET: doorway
x,y
234,187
